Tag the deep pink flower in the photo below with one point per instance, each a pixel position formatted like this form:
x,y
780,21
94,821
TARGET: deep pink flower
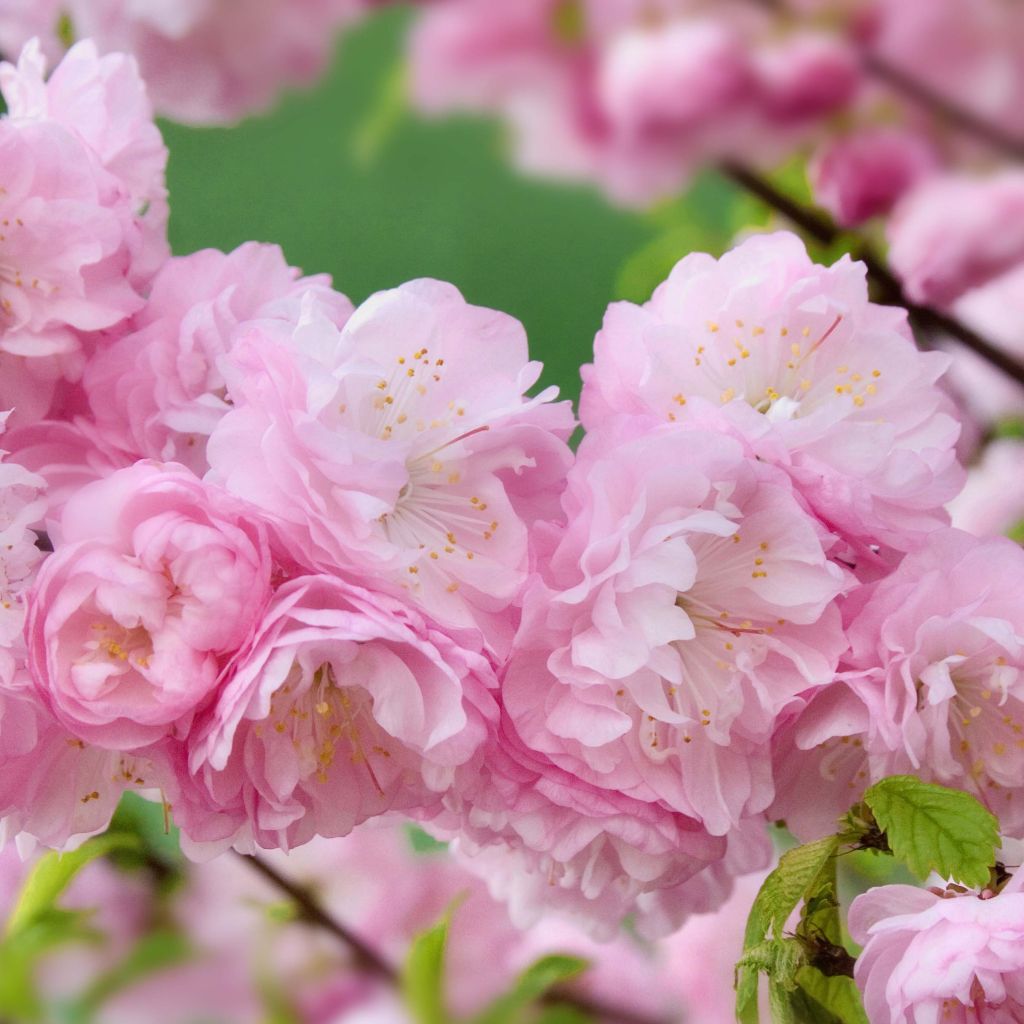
x,y
862,174
820,380
940,957
687,604
346,704
403,446
158,392
159,580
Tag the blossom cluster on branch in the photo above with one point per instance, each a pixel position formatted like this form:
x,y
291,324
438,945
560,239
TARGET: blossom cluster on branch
x,y
312,565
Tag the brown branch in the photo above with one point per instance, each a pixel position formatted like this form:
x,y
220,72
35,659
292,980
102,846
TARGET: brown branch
x,y
942,107
370,960
822,230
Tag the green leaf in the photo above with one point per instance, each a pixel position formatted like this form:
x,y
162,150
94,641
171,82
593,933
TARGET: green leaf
x,y
932,828
536,981
52,875
562,1013
423,975
835,1000
780,1003
800,875
421,842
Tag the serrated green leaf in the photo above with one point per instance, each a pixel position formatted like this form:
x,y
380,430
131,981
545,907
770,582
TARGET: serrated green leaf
x,y
423,975
54,872
932,828
536,981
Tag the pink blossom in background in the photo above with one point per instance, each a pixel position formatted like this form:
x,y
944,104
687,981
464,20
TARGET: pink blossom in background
x,y
955,233
996,311
992,501
819,380
158,391
938,647
202,62
345,704
862,175
157,581
687,604
930,957
402,447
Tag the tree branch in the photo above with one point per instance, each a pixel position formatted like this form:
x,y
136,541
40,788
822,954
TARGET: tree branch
x,y
370,960
822,230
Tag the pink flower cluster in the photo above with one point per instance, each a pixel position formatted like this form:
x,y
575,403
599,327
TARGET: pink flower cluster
x,y
883,97
203,61
314,566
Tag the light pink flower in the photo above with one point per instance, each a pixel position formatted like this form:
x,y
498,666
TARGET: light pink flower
x,y
939,646
820,380
992,501
402,446
957,232
158,392
345,705
103,101
206,62
159,580
57,789
687,604
549,842
862,174
940,957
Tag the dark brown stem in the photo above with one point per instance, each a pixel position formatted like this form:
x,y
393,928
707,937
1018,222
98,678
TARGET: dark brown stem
x,y
311,911
370,960
822,230
942,107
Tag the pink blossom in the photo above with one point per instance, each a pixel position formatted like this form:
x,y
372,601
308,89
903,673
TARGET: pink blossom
x,y
688,603
938,648
931,956
57,789
862,174
82,201
992,501
207,63
158,392
345,705
957,232
159,580
103,101
549,842
402,446
807,75
820,380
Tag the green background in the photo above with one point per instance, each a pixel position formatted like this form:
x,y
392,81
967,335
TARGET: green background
x,y
436,199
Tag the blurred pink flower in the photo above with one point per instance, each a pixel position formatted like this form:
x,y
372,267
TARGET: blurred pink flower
x,y
951,957
159,580
954,233
345,705
202,62
818,379
158,392
862,174
992,501
403,447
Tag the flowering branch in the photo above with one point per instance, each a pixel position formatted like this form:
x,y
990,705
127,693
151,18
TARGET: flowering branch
x,y
822,230
313,913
